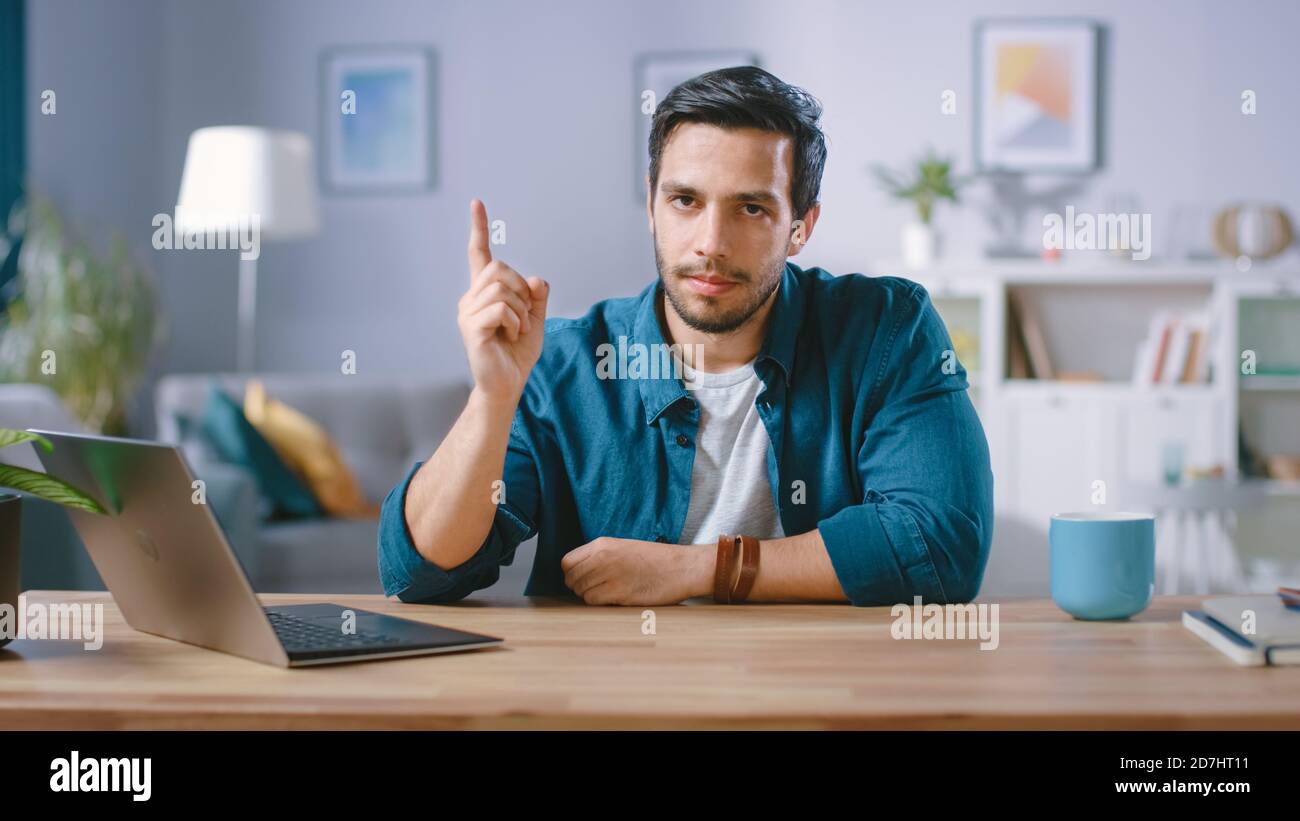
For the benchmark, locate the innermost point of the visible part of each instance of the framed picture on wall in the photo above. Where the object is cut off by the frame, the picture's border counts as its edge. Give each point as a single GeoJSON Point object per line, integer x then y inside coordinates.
{"type": "Point", "coordinates": [655, 74]}
{"type": "Point", "coordinates": [377, 123]}
{"type": "Point", "coordinates": [1037, 90]}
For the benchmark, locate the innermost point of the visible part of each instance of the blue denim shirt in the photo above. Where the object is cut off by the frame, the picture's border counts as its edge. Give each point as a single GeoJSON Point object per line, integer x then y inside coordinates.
{"type": "Point", "coordinates": [874, 442]}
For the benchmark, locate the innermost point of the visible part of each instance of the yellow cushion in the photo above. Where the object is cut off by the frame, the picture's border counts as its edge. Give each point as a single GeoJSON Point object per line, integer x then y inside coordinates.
{"type": "Point", "coordinates": [308, 450]}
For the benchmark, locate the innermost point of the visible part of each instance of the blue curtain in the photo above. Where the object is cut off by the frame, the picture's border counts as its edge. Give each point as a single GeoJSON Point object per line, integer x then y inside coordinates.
{"type": "Point", "coordinates": [11, 131]}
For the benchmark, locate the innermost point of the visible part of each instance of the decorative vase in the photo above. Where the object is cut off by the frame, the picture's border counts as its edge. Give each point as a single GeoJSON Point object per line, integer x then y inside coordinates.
{"type": "Point", "coordinates": [1257, 231]}
{"type": "Point", "coordinates": [10, 519]}
{"type": "Point", "coordinates": [920, 245]}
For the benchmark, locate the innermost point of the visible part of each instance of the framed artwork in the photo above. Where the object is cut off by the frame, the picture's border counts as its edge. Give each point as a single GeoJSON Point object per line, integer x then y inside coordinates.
{"type": "Point", "coordinates": [658, 73]}
{"type": "Point", "coordinates": [1037, 95]}
{"type": "Point", "coordinates": [377, 119]}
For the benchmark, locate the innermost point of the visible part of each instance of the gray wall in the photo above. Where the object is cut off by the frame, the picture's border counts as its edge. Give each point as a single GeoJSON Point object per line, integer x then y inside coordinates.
{"type": "Point", "coordinates": [534, 113]}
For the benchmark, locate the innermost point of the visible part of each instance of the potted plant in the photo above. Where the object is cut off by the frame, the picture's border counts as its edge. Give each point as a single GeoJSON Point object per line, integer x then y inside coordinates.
{"type": "Point", "coordinates": [932, 182]}
{"type": "Point", "coordinates": [40, 485]}
{"type": "Point", "coordinates": [81, 321]}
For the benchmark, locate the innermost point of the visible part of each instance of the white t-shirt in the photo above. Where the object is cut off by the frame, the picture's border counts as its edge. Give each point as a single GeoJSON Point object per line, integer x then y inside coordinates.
{"type": "Point", "coordinates": [730, 491]}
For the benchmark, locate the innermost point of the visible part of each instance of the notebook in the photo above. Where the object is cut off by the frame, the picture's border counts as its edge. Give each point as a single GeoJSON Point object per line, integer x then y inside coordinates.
{"type": "Point", "coordinates": [1276, 628]}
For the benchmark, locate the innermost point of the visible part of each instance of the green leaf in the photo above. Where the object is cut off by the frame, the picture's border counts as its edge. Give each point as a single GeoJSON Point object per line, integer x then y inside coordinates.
{"type": "Point", "coordinates": [47, 487]}
{"type": "Point", "coordinates": [13, 437]}
{"type": "Point", "coordinates": [931, 182]}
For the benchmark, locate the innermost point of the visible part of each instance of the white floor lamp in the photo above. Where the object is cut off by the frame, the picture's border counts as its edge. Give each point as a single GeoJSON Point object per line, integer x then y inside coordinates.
{"type": "Point", "coordinates": [233, 173]}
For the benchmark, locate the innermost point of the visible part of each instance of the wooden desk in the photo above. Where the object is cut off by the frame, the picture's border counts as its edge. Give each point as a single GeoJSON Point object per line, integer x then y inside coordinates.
{"type": "Point", "coordinates": [708, 666]}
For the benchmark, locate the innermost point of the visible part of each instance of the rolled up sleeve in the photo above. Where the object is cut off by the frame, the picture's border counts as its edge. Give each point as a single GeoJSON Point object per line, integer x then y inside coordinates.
{"type": "Point", "coordinates": [410, 577]}
{"type": "Point", "coordinates": [925, 524]}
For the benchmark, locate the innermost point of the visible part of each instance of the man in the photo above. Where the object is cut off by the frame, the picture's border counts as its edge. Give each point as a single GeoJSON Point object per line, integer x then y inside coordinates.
{"type": "Point", "coordinates": [827, 418]}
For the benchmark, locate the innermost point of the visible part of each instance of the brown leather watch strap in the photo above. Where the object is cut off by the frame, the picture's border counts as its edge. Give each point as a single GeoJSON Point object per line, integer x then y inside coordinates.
{"type": "Point", "coordinates": [748, 569]}
{"type": "Point", "coordinates": [727, 549]}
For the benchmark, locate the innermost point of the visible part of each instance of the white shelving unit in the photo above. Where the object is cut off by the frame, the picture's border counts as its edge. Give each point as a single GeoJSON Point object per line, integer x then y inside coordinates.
{"type": "Point", "coordinates": [1052, 440]}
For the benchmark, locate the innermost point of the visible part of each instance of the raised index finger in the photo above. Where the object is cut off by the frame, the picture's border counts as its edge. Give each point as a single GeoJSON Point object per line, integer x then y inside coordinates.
{"type": "Point", "coordinates": [479, 252]}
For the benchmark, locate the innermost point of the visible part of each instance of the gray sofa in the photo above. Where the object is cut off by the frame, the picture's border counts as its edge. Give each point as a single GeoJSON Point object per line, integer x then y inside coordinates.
{"type": "Point", "coordinates": [382, 426]}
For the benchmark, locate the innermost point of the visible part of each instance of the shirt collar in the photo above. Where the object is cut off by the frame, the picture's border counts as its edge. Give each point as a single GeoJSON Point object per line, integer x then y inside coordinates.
{"type": "Point", "coordinates": [787, 319]}
{"type": "Point", "coordinates": [657, 395]}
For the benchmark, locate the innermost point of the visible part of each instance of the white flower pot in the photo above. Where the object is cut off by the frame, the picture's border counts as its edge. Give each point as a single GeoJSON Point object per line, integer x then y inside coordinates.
{"type": "Point", "coordinates": [920, 245]}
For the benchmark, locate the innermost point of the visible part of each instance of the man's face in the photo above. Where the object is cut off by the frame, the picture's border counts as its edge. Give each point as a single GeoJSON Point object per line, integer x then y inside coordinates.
{"type": "Point", "coordinates": [721, 218]}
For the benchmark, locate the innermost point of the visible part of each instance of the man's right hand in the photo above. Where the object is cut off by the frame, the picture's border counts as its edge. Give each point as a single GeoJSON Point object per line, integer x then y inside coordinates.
{"type": "Point", "coordinates": [501, 318]}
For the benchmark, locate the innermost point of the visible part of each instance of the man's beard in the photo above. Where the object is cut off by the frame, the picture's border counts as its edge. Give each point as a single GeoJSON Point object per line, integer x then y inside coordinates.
{"type": "Point", "coordinates": [717, 321]}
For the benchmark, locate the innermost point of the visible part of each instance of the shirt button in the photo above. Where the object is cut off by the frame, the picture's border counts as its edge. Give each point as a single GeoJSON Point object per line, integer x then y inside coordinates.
{"type": "Point", "coordinates": [682, 440]}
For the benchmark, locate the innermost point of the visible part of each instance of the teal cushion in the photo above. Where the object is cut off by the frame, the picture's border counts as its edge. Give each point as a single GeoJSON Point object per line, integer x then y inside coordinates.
{"type": "Point", "coordinates": [237, 441]}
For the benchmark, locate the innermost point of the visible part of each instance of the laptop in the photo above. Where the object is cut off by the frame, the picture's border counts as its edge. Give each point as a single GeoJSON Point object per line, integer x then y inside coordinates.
{"type": "Point", "coordinates": [172, 572]}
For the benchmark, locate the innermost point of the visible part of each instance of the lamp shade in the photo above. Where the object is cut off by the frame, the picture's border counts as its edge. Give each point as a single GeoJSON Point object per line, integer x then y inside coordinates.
{"type": "Point", "coordinates": [233, 171]}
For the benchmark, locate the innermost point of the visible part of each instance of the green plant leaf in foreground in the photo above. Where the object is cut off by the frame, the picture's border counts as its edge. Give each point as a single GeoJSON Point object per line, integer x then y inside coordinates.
{"type": "Point", "coordinates": [46, 487]}
{"type": "Point", "coordinates": [13, 437]}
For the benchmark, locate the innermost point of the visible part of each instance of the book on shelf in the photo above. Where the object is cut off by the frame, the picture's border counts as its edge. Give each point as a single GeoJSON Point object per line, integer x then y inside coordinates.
{"type": "Point", "coordinates": [1026, 342]}
{"type": "Point", "coordinates": [1196, 357]}
{"type": "Point", "coordinates": [1017, 358]}
{"type": "Point", "coordinates": [1171, 369]}
{"type": "Point", "coordinates": [1176, 350]}
{"type": "Point", "coordinates": [1036, 342]}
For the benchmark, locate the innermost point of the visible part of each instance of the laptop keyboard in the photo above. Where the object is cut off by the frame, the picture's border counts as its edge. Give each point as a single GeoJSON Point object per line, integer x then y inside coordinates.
{"type": "Point", "coordinates": [299, 635]}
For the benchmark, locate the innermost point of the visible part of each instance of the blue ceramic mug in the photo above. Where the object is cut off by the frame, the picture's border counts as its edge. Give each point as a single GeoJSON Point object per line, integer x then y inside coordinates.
{"type": "Point", "coordinates": [1103, 565]}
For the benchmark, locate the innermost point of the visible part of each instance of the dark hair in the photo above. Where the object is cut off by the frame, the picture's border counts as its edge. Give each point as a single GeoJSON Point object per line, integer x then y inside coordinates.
{"type": "Point", "coordinates": [748, 97]}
